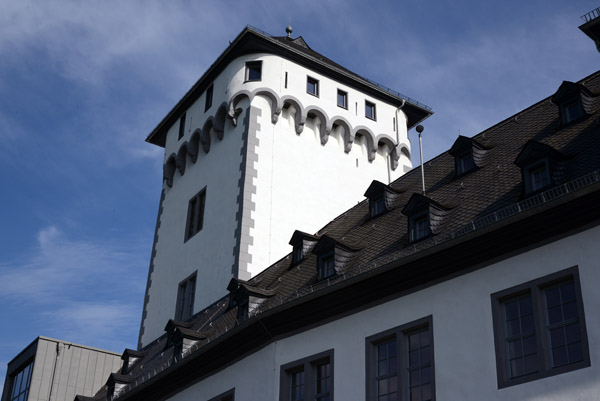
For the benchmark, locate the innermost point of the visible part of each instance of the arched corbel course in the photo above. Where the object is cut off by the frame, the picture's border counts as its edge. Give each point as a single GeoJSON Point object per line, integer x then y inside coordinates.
{"type": "Point", "coordinates": [205, 136]}
{"type": "Point", "coordinates": [393, 151]}
{"type": "Point", "coordinates": [220, 117]}
{"type": "Point", "coordinates": [193, 145]}
{"type": "Point", "coordinates": [371, 149]}
{"type": "Point", "coordinates": [348, 135]}
{"type": "Point", "coordinates": [234, 112]}
{"type": "Point", "coordinates": [181, 158]}
{"type": "Point", "coordinates": [276, 104]}
{"type": "Point", "coordinates": [300, 117]}
{"type": "Point", "coordinates": [169, 169]}
{"type": "Point", "coordinates": [324, 129]}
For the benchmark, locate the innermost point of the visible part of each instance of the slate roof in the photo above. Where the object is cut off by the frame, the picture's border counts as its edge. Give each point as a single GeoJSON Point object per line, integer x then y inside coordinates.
{"type": "Point", "coordinates": [471, 205]}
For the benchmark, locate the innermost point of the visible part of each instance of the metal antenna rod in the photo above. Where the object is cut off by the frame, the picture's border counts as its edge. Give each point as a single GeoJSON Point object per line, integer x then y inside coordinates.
{"type": "Point", "coordinates": [420, 130]}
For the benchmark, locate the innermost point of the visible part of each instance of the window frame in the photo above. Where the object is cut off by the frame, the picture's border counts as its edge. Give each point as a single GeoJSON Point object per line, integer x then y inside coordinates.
{"type": "Point", "coordinates": [371, 106]}
{"type": "Point", "coordinates": [184, 308]}
{"type": "Point", "coordinates": [182, 125]}
{"type": "Point", "coordinates": [535, 288]}
{"type": "Point", "coordinates": [309, 366]}
{"type": "Point", "coordinates": [344, 95]}
{"type": "Point", "coordinates": [528, 175]}
{"type": "Point", "coordinates": [566, 111]}
{"type": "Point", "coordinates": [321, 260]}
{"type": "Point", "coordinates": [195, 214]}
{"type": "Point", "coordinates": [377, 206]}
{"type": "Point", "coordinates": [460, 159]}
{"type": "Point", "coordinates": [315, 83]}
{"type": "Point", "coordinates": [413, 220]}
{"type": "Point", "coordinates": [252, 66]}
{"type": "Point", "coordinates": [229, 395]}
{"type": "Point", "coordinates": [11, 395]}
{"type": "Point", "coordinates": [401, 335]}
{"type": "Point", "coordinates": [208, 101]}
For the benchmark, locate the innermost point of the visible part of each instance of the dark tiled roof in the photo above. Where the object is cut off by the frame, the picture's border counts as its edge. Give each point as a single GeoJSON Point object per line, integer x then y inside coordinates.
{"type": "Point", "coordinates": [494, 189]}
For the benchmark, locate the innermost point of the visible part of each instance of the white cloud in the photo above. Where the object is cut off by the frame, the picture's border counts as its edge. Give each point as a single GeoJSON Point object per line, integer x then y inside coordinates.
{"type": "Point", "coordinates": [59, 269]}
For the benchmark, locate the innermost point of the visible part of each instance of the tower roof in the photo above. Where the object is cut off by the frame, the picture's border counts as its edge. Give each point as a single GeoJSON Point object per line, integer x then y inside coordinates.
{"type": "Point", "coordinates": [252, 40]}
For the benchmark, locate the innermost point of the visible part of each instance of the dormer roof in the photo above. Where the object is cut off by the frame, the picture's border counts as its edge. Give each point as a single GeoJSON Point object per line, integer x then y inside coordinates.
{"type": "Point", "coordinates": [534, 150]}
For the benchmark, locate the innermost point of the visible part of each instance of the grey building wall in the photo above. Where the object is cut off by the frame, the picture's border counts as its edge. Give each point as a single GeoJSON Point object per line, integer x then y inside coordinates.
{"type": "Point", "coordinates": [62, 370]}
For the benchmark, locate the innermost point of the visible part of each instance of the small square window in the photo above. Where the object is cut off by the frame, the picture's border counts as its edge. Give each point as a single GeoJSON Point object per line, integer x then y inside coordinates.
{"type": "Point", "coordinates": [253, 71]}
{"type": "Point", "coordinates": [342, 99]}
{"type": "Point", "coordinates": [308, 379]}
{"type": "Point", "coordinates": [185, 298]}
{"type": "Point", "coordinates": [195, 217]}
{"type": "Point", "coordinates": [181, 126]}
{"type": "Point", "coordinates": [209, 98]}
{"type": "Point", "coordinates": [326, 266]}
{"type": "Point", "coordinates": [312, 86]}
{"type": "Point", "coordinates": [539, 329]}
{"type": "Point", "coordinates": [370, 110]}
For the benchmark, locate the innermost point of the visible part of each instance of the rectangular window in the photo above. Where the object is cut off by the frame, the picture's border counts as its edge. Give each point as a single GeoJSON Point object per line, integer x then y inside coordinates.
{"type": "Point", "coordinates": [185, 298]}
{"type": "Point", "coordinates": [20, 383]}
{"type": "Point", "coordinates": [342, 99]}
{"type": "Point", "coordinates": [539, 329]}
{"type": "Point", "coordinates": [286, 80]}
{"type": "Point", "coordinates": [464, 163]}
{"type": "Point", "coordinates": [326, 266]}
{"type": "Point", "coordinates": [195, 216]}
{"type": "Point", "coordinates": [181, 126]}
{"type": "Point", "coordinates": [377, 206]}
{"type": "Point", "coordinates": [209, 98]}
{"type": "Point", "coordinates": [537, 177]}
{"type": "Point", "coordinates": [400, 363]}
{"type": "Point", "coordinates": [419, 227]}
{"type": "Point", "coordinates": [370, 110]}
{"type": "Point", "coordinates": [308, 379]}
{"type": "Point", "coordinates": [226, 396]}
{"type": "Point", "coordinates": [312, 86]}
{"type": "Point", "coordinates": [572, 111]}
{"type": "Point", "coordinates": [253, 71]}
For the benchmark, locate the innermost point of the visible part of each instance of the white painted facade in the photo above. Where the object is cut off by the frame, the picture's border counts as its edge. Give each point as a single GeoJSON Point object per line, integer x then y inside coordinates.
{"type": "Point", "coordinates": [464, 355]}
{"type": "Point", "coordinates": [281, 160]}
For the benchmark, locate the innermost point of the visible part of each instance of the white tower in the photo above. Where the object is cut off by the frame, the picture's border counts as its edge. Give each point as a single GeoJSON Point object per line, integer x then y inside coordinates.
{"type": "Point", "coordinates": [274, 137]}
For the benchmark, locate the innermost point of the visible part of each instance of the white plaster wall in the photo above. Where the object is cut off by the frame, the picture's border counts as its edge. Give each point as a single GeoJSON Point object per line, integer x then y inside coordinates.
{"type": "Point", "coordinates": [465, 367]}
{"type": "Point", "coordinates": [210, 251]}
{"type": "Point", "coordinates": [300, 183]}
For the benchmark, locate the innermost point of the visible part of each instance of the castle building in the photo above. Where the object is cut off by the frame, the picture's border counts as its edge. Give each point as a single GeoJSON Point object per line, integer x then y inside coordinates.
{"type": "Point", "coordinates": [480, 284]}
{"type": "Point", "coordinates": [483, 286]}
{"type": "Point", "coordinates": [273, 137]}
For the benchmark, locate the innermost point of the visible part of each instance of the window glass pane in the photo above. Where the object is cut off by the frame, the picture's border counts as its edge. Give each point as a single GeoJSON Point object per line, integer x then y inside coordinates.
{"type": "Point", "coordinates": [567, 292]}
{"type": "Point", "coordinates": [559, 356]}
{"type": "Point", "coordinates": [575, 352]}
{"type": "Point", "coordinates": [573, 332]}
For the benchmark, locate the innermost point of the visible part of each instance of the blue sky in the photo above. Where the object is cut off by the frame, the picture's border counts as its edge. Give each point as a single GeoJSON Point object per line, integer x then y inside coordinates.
{"type": "Point", "coordinates": [83, 83]}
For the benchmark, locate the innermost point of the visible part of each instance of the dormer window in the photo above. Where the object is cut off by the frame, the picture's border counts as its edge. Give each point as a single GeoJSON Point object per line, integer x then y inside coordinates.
{"type": "Point", "coordinates": [425, 217]}
{"type": "Point", "coordinates": [541, 166]}
{"type": "Point", "coordinates": [381, 197]}
{"type": "Point", "coordinates": [569, 99]}
{"type": "Point", "coordinates": [332, 257]}
{"type": "Point", "coordinates": [537, 177]}
{"type": "Point", "coordinates": [326, 266]}
{"type": "Point", "coordinates": [464, 163]}
{"type": "Point", "coordinates": [377, 206]}
{"type": "Point", "coordinates": [571, 111]}
{"type": "Point", "coordinates": [297, 255]}
{"type": "Point", "coordinates": [419, 227]}
{"type": "Point", "coordinates": [302, 243]}
{"type": "Point", "coordinates": [468, 155]}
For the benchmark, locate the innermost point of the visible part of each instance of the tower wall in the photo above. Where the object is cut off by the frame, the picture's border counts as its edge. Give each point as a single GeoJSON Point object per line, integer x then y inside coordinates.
{"type": "Point", "coordinates": [273, 158]}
